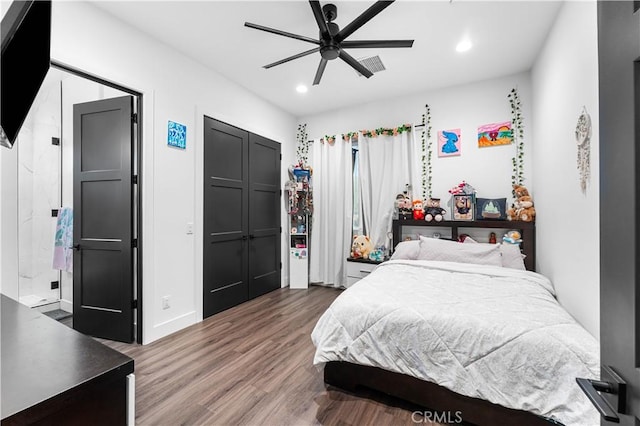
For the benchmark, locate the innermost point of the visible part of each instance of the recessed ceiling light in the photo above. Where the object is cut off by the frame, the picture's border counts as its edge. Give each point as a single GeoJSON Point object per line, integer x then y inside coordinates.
{"type": "Point", "coordinates": [301, 88]}
{"type": "Point", "coordinates": [464, 45]}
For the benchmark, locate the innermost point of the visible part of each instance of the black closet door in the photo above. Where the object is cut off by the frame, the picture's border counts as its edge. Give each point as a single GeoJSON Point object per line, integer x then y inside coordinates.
{"type": "Point", "coordinates": [264, 216]}
{"type": "Point", "coordinates": [226, 220]}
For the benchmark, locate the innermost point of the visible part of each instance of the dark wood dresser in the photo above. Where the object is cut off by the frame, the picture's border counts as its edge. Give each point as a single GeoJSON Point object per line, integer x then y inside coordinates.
{"type": "Point", "coordinates": [51, 374]}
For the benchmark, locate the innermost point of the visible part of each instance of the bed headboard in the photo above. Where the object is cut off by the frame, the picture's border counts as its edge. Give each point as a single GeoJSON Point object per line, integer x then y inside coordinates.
{"type": "Point", "coordinates": [453, 228]}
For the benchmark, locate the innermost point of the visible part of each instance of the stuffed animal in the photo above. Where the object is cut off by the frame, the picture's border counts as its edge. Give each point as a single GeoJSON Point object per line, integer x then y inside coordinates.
{"type": "Point", "coordinates": [433, 210]}
{"type": "Point", "coordinates": [361, 247]}
{"type": "Point", "coordinates": [418, 212]}
{"type": "Point", "coordinates": [403, 203]}
{"type": "Point", "coordinates": [522, 208]}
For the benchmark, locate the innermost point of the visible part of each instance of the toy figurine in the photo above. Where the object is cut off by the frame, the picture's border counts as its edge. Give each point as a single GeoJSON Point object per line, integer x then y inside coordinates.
{"type": "Point", "coordinates": [433, 210]}
{"type": "Point", "coordinates": [492, 238]}
{"type": "Point", "coordinates": [418, 213]}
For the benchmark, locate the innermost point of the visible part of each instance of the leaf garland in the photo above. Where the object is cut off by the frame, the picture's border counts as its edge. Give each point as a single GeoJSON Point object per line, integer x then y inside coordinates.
{"type": "Point", "coordinates": [517, 162]}
{"type": "Point", "coordinates": [350, 135]}
{"type": "Point", "coordinates": [329, 139]}
{"type": "Point", "coordinates": [302, 145]}
{"type": "Point", "coordinates": [427, 153]}
{"type": "Point", "coordinates": [387, 132]}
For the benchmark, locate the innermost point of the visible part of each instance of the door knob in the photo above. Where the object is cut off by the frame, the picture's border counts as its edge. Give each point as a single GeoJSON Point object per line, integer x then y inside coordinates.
{"type": "Point", "coordinates": [251, 236]}
{"type": "Point", "coordinates": [616, 386]}
{"type": "Point", "coordinates": [76, 247]}
{"type": "Point", "coordinates": [244, 238]}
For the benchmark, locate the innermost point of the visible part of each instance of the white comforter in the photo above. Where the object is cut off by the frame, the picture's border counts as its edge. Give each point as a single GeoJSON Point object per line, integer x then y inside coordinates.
{"type": "Point", "coordinates": [486, 332]}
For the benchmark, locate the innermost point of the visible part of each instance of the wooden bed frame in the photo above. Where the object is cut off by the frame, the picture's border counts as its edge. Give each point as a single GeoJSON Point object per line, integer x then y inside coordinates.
{"type": "Point", "coordinates": [431, 396]}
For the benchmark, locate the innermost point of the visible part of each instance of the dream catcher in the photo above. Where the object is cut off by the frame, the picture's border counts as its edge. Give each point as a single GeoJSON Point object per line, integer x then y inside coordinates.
{"type": "Point", "coordinates": [583, 140]}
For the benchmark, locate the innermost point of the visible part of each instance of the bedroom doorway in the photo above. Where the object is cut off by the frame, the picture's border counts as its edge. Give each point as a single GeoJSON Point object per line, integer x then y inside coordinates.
{"type": "Point", "coordinates": [47, 199]}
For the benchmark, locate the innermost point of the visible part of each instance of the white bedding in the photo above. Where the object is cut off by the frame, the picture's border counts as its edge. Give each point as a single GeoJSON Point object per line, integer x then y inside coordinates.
{"type": "Point", "coordinates": [486, 332]}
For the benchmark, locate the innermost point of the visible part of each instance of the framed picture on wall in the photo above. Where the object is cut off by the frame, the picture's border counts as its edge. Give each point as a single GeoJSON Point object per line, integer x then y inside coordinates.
{"type": "Point", "coordinates": [463, 206]}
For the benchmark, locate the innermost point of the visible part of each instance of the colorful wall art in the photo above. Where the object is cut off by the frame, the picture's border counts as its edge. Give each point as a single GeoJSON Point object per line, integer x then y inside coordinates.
{"type": "Point", "coordinates": [495, 134]}
{"type": "Point", "coordinates": [449, 144]}
{"type": "Point", "coordinates": [177, 135]}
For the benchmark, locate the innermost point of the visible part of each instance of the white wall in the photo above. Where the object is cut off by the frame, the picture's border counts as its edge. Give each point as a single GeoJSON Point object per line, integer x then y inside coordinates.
{"type": "Point", "coordinates": [564, 79]}
{"type": "Point", "coordinates": [465, 107]}
{"type": "Point", "coordinates": [176, 88]}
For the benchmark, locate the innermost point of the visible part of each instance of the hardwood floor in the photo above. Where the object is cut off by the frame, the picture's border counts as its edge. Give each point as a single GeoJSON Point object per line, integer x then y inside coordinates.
{"type": "Point", "coordinates": [251, 365]}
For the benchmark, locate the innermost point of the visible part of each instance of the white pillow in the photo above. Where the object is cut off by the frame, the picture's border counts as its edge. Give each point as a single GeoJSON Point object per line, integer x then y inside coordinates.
{"type": "Point", "coordinates": [406, 250]}
{"type": "Point", "coordinates": [453, 251]}
{"type": "Point", "coordinates": [511, 255]}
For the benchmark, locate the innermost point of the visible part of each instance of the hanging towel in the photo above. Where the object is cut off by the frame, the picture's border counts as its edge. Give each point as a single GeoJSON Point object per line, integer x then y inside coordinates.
{"type": "Point", "coordinates": [63, 245]}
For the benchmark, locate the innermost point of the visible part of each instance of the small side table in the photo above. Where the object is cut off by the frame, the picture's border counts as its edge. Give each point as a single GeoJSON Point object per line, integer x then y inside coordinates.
{"type": "Point", "coordinates": [357, 269]}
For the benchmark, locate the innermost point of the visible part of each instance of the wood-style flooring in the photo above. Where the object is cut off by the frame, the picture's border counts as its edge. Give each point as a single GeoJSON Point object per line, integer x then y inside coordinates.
{"type": "Point", "coordinates": [251, 365]}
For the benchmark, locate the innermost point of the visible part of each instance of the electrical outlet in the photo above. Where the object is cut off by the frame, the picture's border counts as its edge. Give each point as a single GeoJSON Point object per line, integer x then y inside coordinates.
{"type": "Point", "coordinates": [165, 302]}
{"type": "Point", "coordinates": [189, 228]}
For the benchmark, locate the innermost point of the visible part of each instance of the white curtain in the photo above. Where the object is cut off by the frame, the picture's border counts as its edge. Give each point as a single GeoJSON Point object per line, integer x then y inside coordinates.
{"type": "Point", "coordinates": [332, 201]}
{"type": "Point", "coordinates": [385, 167]}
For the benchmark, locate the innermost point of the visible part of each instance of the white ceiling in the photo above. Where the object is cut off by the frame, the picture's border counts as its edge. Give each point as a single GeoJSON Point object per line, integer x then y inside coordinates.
{"type": "Point", "coordinates": [507, 36]}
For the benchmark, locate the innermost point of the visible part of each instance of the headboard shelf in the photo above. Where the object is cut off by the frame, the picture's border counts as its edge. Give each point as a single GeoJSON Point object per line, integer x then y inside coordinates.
{"type": "Point", "coordinates": [527, 229]}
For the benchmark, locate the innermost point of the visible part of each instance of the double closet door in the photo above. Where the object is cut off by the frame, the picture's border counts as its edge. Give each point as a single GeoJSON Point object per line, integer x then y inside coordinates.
{"type": "Point", "coordinates": [242, 241]}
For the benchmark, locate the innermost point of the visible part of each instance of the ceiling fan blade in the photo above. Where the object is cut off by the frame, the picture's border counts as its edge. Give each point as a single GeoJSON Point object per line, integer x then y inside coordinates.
{"type": "Point", "coordinates": [282, 33]}
{"type": "Point", "coordinates": [367, 15]}
{"type": "Point", "coordinates": [291, 58]}
{"type": "Point", "coordinates": [355, 64]}
{"type": "Point", "coordinates": [321, 67]}
{"type": "Point", "coordinates": [322, 24]}
{"type": "Point", "coordinates": [364, 44]}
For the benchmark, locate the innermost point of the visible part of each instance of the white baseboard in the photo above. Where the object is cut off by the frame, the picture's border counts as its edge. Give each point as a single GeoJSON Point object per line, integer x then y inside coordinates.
{"type": "Point", "coordinates": [66, 305]}
{"type": "Point", "coordinates": [168, 327]}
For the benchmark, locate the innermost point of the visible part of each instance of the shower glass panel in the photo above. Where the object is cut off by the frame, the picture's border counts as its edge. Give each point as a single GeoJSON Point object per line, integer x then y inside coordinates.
{"type": "Point", "coordinates": [39, 181]}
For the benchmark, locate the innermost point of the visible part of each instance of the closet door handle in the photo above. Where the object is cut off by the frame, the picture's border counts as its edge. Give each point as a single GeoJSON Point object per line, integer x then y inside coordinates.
{"type": "Point", "coordinates": [244, 238]}
{"type": "Point", "coordinates": [251, 236]}
{"type": "Point", "coordinates": [76, 247]}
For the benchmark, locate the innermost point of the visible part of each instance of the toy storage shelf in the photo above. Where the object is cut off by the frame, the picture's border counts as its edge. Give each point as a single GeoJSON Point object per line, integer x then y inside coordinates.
{"type": "Point", "coordinates": [298, 252]}
{"type": "Point", "coordinates": [453, 228]}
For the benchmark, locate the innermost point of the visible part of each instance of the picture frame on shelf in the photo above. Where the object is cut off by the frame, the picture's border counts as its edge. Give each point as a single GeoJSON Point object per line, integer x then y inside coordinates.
{"type": "Point", "coordinates": [491, 208]}
{"type": "Point", "coordinates": [463, 207]}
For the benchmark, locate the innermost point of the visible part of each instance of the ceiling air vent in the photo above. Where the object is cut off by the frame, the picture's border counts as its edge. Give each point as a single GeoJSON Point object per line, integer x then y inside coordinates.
{"type": "Point", "coordinates": [373, 64]}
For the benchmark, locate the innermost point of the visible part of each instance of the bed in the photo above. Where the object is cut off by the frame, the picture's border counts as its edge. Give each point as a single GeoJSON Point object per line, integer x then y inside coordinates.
{"type": "Point", "coordinates": [462, 335]}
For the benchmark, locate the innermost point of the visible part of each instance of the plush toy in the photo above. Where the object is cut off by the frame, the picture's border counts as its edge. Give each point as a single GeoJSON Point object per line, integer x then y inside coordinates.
{"type": "Point", "coordinates": [361, 247]}
{"type": "Point", "coordinates": [433, 210]}
{"type": "Point", "coordinates": [403, 203]}
{"type": "Point", "coordinates": [512, 237]}
{"type": "Point", "coordinates": [418, 213]}
{"type": "Point", "coordinates": [522, 208]}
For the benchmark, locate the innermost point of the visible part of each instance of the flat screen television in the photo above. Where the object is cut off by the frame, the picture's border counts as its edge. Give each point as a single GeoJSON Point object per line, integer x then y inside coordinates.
{"type": "Point", "coordinates": [26, 45]}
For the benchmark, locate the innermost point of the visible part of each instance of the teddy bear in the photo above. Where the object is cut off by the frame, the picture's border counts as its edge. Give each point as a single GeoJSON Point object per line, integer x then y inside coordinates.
{"type": "Point", "coordinates": [418, 212]}
{"type": "Point", "coordinates": [433, 210]}
{"type": "Point", "coordinates": [522, 208]}
{"type": "Point", "coordinates": [361, 247]}
{"type": "Point", "coordinates": [403, 207]}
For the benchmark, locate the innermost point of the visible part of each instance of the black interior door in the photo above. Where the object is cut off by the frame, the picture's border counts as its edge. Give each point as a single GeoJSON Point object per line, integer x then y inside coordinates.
{"type": "Point", "coordinates": [619, 74]}
{"type": "Point", "coordinates": [103, 218]}
{"type": "Point", "coordinates": [226, 220]}
{"type": "Point", "coordinates": [264, 216]}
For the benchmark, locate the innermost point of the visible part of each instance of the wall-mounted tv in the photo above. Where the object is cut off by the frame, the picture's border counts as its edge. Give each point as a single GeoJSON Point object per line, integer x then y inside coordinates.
{"type": "Point", "coordinates": [26, 40]}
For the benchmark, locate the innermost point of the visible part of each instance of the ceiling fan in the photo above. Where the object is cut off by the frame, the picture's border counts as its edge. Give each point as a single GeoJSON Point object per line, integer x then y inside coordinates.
{"type": "Point", "coordinates": [331, 43]}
